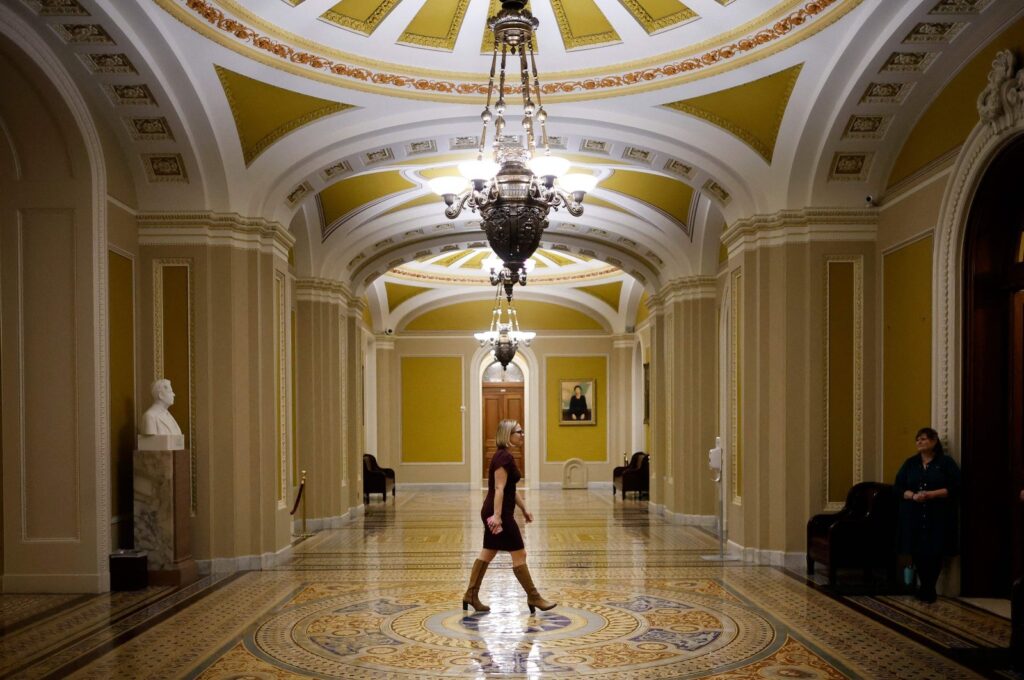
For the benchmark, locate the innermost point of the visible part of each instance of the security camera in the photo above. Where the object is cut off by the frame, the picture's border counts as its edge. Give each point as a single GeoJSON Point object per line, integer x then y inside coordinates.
{"type": "Point", "coordinates": [869, 201]}
{"type": "Point", "coordinates": [389, 331]}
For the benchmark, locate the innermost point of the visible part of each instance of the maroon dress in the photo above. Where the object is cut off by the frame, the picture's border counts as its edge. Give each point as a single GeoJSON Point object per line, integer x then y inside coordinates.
{"type": "Point", "coordinates": [509, 539]}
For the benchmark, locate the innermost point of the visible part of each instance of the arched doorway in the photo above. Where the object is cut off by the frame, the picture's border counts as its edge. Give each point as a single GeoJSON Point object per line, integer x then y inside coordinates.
{"type": "Point", "coordinates": [503, 396]}
{"type": "Point", "coordinates": [992, 444]}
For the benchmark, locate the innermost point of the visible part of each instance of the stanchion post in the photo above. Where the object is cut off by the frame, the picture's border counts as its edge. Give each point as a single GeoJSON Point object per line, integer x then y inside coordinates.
{"type": "Point", "coordinates": [302, 484]}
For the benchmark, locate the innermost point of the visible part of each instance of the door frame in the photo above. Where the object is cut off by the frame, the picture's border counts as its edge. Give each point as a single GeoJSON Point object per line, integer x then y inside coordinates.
{"type": "Point", "coordinates": [527, 361]}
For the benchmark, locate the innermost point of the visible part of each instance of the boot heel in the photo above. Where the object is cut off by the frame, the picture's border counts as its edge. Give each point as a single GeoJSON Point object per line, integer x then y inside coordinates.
{"type": "Point", "coordinates": [533, 609]}
{"type": "Point", "coordinates": [465, 606]}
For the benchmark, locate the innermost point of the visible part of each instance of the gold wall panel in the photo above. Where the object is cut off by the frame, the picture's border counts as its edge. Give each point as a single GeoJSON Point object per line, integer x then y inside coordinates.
{"type": "Point", "coordinates": [906, 350]}
{"type": "Point", "coordinates": [436, 25]}
{"type": "Point", "coordinates": [121, 333]}
{"type": "Point", "coordinates": [840, 380]}
{"type": "Point", "coordinates": [563, 442]}
{"type": "Point", "coordinates": [431, 415]}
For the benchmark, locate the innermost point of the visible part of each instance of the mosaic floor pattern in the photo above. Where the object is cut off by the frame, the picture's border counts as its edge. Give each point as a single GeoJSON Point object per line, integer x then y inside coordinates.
{"type": "Point", "coordinates": [381, 598]}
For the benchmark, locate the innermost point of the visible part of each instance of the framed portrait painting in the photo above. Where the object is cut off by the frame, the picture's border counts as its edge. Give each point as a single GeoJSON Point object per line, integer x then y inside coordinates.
{"type": "Point", "coordinates": [578, 401]}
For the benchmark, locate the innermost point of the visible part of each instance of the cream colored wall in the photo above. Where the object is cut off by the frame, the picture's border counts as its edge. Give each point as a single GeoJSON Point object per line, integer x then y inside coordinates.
{"type": "Point", "coordinates": [782, 375]}
{"type": "Point", "coordinates": [237, 514]}
{"type": "Point", "coordinates": [51, 250]}
{"type": "Point", "coordinates": [390, 350]}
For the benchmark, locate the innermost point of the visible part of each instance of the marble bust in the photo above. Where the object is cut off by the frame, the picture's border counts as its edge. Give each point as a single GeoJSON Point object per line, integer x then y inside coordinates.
{"type": "Point", "coordinates": [158, 429]}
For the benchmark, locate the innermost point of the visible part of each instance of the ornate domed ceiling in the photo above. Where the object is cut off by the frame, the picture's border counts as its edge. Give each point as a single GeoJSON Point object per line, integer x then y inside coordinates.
{"type": "Point", "coordinates": [441, 48]}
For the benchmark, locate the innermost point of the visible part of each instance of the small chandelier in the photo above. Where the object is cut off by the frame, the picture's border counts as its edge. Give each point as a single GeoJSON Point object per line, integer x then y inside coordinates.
{"type": "Point", "coordinates": [516, 188]}
{"type": "Point", "coordinates": [504, 336]}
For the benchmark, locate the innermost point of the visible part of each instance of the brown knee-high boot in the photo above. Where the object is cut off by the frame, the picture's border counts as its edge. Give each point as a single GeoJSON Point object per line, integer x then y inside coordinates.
{"type": "Point", "coordinates": [472, 592]}
{"type": "Point", "coordinates": [533, 598]}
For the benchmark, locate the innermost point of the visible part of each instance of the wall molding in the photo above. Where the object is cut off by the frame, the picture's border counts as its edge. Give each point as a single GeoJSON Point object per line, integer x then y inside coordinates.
{"type": "Point", "coordinates": [323, 290]}
{"type": "Point", "coordinates": [1001, 119]}
{"type": "Point", "coordinates": [211, 229]}
{"type": "Point", "coordinates": [858, 377]}
{"type": "Point", "coordinates": [807, 225]}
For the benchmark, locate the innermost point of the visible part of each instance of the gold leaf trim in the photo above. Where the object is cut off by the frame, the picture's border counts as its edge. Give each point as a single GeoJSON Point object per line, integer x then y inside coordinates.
{"type": "Point", "coordinates": [236, 35]}
{"type": "Point", "coordinates": [446, 43]}
{"type": "Point", "coordinates": [574, 42]}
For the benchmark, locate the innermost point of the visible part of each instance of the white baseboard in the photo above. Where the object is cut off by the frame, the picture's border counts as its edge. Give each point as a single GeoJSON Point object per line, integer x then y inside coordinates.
{"type": "Point", "coordinates": [709, 521]}
{"type": "Point", "coordinates": [794, 561]}
{"type": "Point", "coordinates": [229, 565]}
{"type": "Point", "coordinates": [599, 485]}
{"type": "Point", "coordinates": [56, 583]}
{"type": "Point", "coordinates": [438, 486]}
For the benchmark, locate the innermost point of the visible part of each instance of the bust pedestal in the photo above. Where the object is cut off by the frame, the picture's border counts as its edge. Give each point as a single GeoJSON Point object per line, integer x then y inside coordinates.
{"type": "Point", "coordinates": [162, 521]}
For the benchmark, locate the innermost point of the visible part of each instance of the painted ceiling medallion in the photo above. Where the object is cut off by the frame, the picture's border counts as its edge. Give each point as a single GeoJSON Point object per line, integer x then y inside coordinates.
{"type": "Point", "coordinates": [788, 23]}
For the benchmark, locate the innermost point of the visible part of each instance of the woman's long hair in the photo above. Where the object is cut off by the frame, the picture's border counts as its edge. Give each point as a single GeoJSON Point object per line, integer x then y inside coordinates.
{"type": "Point", "coordinates": [934, 436]}
{"type": "Point", "coordinates": [505, 428]}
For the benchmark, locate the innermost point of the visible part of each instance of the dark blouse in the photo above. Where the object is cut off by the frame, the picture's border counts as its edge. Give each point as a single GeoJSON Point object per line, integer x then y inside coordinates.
{"type": "Point", "coordinates": [929, 527]}
{"type": "Point", "coordinates": [578, 407]}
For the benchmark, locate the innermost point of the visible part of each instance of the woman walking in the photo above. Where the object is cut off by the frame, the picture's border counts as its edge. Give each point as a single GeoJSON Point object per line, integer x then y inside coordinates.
{"type": "Point", "coordinates": [500, 529]}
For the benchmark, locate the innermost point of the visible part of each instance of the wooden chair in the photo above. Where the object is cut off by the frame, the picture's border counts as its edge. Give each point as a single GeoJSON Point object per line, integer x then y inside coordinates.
{"type": "Point", "coordinates": [376, 479]}
{"type": "Point", "coordinates": [636, 476]}
{"type": "Point", "coordinates": [862, 534]}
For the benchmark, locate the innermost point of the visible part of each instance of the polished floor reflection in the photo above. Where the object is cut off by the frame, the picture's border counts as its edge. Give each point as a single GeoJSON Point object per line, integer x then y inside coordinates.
{"type": "Point", "coordinates": [381, 598]}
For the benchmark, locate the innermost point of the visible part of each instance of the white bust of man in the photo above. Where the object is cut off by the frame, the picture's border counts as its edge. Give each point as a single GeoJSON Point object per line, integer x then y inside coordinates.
{"type": "Point", "coordinates": [157, 419]}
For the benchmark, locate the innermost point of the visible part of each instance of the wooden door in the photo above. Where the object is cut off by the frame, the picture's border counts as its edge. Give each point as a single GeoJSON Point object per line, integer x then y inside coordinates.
{"type": "Point", "coordinates": [501, 401]}
{"type": "Point", "coordinates": [1017, 421]}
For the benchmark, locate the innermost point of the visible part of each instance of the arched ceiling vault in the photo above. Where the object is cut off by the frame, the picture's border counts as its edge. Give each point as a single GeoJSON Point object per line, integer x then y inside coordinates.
{"type": "Point", "coordinates": [695, 113]}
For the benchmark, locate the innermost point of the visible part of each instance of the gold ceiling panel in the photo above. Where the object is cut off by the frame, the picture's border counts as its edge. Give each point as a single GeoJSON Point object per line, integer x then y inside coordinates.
{"type": "Point", "coordinates": [361, 16]}
{"type": "Point", "coordinates": [426, 199]}
{"type": "Point", "coordinates": [560, 260]}
{"type": "Point", "coordinates": [609, 293]}
{"type": "Point", "coordinates": [466, 316]}
{"type": "Point", "coordinates": [669, 196]}
{"type": "Point", "coordinates": [398, 293]}
{"type": "Point", "coordinates": [658, 15]}
{"type": "Point", "coordinates": [436, 25]}
{"type": "Point", "coordinates": [753, 112]}
{"type": "Point", "coordinates": [347, 196]}
{"type": "Point", "coordinates": [583, 24]}
{"type": "Point", "coordinates": [265, 113]}
{"type": "Point", "coordinates": [476, 261]}
{"type": "Point", "coordinates": [487, 46]}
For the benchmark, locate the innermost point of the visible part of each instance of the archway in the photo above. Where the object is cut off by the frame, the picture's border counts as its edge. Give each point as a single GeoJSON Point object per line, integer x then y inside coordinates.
{"type": "Point", "coordinates": [992, 452]}
{"type": "Point", "coordinates": [503, 396]}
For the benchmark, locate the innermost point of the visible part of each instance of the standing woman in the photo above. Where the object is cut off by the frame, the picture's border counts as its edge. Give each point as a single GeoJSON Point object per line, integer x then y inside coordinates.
{"type": "Point", "coordinates": [928, 485]}
{"type": "Point", "coordinates": [500, 529]}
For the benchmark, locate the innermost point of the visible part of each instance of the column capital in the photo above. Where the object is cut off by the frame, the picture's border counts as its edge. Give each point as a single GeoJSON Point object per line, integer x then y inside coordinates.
{"type": "Point", "coordinates": [806, 225]}
{"type": "Point", "coordinates": [325, 290]}
{"type": "Point", "coordinates": [205, 228]}
{"type": "Point", "coordinates": [684, 289]}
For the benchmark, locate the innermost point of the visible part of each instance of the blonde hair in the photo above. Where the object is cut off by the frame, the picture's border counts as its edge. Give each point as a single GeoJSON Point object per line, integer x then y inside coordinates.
{"type": "Point", "coordinates": [505, 428]}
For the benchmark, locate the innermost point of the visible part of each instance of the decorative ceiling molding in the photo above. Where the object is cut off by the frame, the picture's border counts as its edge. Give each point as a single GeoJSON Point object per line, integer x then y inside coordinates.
{"type": "Point", "coordinates": [655, 17]}
{"type": "Point", "coordinates": [767, 35]}
{"type": "Point", "coordinates": [570, 15]}
{"type": "Point", "coordinates": [436, 25]}
{"type": "Point", "coordinates": [365, 24]}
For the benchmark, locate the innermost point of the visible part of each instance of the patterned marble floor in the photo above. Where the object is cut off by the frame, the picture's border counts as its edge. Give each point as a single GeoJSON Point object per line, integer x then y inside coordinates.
{"type": "Point", "coordinates": [380, 598]}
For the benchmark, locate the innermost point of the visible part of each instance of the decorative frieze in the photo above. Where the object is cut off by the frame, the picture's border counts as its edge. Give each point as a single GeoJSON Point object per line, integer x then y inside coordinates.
{"type": "Point", "coordinates": [299, 193]}
{"type": "Point", "coordinates": [149, 129]}
{"type": "Point", "coordinates": [422, 146]}
{"type": "Point", "coordinates": [679, 168]}
{"type": "Point", "coordinates": [633, 153]}
{"type": "Point", "coordinates": [960, 7]}
{"type": "Point", "coordinates": [934, 32]}
{"type": "Point", "coordinates": [595, 146]}
{"type": "Point", "coordinates": [378, 156]}
{"type": "Point", "coordinates": [107, 63]}
{"type": "Point", "coordinates": [866, 127]}
{"type": "Point", "coordinates": [716, 190]}
{"type": "Point", "coordinates": [215, 229]}
{"type": "Point", "coordinates": [886, 93]}
{"type": "Point", "coordinates": [83, 34]}
{"type": "Point", "coordinates": [130, 95]}
{"type": "Point", "coordinates": [332, 171]}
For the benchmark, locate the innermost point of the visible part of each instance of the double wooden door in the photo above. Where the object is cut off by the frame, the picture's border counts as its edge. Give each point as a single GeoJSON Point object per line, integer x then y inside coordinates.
{"type": "Point", "coordinates": [502, 401]}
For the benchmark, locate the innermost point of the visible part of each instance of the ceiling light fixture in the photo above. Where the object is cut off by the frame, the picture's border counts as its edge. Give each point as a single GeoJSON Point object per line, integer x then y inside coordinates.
{"type": "Point", "coordinates": [504, 336]}
{"type": "Point", "coordinates": [519, 185]}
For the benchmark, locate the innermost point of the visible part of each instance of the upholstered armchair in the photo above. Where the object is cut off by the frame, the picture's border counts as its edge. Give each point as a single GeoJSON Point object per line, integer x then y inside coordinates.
{"type": "Point", "coordinates": [376, 479]}
{"type": "Point", "coordinates": [636, 476]}
{"type": "Point", "coordinates": [862, 534]}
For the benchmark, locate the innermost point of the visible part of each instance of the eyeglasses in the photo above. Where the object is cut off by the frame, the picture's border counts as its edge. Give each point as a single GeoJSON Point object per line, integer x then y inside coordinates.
{"type": "Point", "coordinates": [517, 432]}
